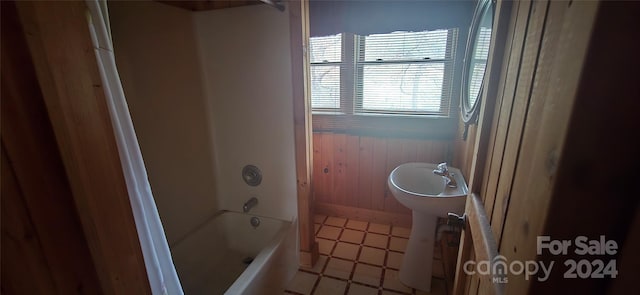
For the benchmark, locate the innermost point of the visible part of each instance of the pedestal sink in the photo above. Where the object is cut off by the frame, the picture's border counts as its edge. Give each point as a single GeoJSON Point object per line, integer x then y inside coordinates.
{"type": "Point", "coordinates": [428, 196]}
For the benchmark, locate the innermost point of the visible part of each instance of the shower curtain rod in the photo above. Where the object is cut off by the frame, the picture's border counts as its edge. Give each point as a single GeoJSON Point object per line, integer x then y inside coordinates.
{"type": "Point", "coordinates": [275, 3]}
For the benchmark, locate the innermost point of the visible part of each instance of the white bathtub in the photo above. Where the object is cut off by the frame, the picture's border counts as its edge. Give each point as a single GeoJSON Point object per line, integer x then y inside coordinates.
{"type": "Point", "coordinates": [210, 259]}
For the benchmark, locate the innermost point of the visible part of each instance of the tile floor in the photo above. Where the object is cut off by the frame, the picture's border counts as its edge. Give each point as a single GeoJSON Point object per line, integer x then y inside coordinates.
{"type": "Point", "coordinates": [358, 257]}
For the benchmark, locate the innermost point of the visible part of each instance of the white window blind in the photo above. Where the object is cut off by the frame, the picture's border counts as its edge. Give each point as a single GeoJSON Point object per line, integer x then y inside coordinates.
{"type": "Point", "coordinates": [479, 62]}
{"type": "Point", "coordinates": [405, 72]}
{"type": "Point", "coordinates": [393, 73]}
{"type": "Point", "coordinates": [326, 64]}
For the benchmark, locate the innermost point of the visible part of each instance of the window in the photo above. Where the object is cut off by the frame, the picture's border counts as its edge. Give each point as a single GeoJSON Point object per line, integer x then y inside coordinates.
{"type": "Point", "coordinates": [407, 73]}
{"type": "Point", "coordinates": [326, 61]}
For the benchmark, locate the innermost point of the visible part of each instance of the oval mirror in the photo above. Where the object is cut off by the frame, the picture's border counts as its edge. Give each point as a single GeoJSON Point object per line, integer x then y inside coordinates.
{"type": "Point", "coordinates": [475, 62]}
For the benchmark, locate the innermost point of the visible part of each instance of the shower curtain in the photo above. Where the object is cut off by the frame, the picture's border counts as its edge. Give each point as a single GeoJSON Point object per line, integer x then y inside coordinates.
{"type": "Point", "coordinates": [163, 278]}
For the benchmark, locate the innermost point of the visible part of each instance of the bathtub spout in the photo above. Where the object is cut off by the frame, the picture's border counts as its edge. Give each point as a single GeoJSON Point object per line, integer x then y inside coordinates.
{"type": "Point", "coordinates": [249, 204]}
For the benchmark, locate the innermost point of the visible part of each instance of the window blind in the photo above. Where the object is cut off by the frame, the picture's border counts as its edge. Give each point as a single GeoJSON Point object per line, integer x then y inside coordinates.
{"type": "Point", "coordinates": [479, 62]}
{"type": "Point", "coordinates": [405, 72]}
{"type": "Point", "coordinates": [326, 63]}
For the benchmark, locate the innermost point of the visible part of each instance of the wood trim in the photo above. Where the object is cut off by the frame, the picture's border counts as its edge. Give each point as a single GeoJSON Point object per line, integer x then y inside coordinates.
{"type": "Point", "coordinates": [479, 239]}
{"type": "Point", "coordinates": [309, 258]}
{"type": "Point", "coordinates": [72, 89]}
{"type": "Point", "coordinates": [299, 32]}
{"type": "Point", "coordinates": [484, 243]}
{"type": "Point", "coordinates": [411, 127]}
{"type": "Point", "coordinates": [361, 214]}
{"type": "Point", "coordinates": [202, 5]}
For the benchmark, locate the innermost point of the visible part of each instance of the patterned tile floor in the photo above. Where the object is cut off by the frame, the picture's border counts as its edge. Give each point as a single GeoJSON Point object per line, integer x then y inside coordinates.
{"type": "Point", "coordinates": [358, 257]}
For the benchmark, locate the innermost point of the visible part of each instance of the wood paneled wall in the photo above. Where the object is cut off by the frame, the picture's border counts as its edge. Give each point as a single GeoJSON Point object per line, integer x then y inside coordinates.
{"type": "Point", "coordinates": [67, 224]}
{"type": "Point", "coordinates": [44, 250]}
{"type": "Point", "coordinates": [544, 145]}
{"type": "Point", "coordinates": [352, 170]}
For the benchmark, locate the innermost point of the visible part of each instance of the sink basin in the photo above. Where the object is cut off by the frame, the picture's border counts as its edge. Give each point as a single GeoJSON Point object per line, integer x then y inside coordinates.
{"type": "Point", "coordinates": [416, 187]}
{"type": "Point", "coordinates": [428, 196]}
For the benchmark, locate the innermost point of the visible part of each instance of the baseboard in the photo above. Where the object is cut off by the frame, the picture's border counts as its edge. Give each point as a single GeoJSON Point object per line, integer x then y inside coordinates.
{"type": "Point", "coordinates": [361, 214]}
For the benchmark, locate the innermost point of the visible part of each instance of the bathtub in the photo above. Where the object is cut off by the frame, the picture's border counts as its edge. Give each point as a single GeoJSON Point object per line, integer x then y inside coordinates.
{"type": "Point", "coordinates": [227, 254]}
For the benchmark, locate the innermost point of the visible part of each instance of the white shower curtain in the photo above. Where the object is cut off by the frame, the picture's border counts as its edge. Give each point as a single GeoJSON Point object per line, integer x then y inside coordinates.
{"type": "Point", "coordinates": [155, 249]}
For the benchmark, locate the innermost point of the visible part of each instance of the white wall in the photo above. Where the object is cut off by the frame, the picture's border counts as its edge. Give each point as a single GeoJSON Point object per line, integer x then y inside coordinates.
{"type": "Point", "coordinates": [156, 54]}
{"type": "Point", "coordinates": [245, 53]}
{"type": "Point", "coordinates": [209, 93]}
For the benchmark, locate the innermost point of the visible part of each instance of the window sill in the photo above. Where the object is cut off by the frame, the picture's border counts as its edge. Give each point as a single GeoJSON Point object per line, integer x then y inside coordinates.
{"type": "Point", "coordinates": [385, 125]}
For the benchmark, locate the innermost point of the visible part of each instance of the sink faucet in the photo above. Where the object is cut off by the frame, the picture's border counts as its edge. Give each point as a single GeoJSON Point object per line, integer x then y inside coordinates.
{"type": "Point", "coordinates": [249, 204]}
{"type": "Point", "coordinates": [443, 171]}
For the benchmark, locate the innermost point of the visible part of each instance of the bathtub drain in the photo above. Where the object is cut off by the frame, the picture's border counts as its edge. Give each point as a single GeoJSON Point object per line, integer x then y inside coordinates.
{"type": "Point", "coordinates": [247, 260]}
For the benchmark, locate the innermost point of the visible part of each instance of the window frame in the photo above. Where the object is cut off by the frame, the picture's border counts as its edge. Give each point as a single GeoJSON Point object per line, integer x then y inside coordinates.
{"type": "Point", "coordinates": [447, 90]}
{"type": "Point", "coordinates": [348, 119]}
{"type": "Point", "coordinates": [341, 67]}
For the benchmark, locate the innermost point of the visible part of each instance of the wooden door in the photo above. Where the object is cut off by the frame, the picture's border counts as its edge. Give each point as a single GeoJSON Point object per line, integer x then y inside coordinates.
{"type": "Point", "coordinates": [526, 139]}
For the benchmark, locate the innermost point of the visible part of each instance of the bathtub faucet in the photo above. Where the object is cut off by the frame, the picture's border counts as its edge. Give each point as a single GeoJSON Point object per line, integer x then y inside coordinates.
{"type": "Point", "coordinates": [443, 171]}
{"type": "Point", "coordinates": [249, 204]}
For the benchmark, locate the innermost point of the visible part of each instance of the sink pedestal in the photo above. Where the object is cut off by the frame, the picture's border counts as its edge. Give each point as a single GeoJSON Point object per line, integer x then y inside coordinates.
{"type": "Point", "coordinates": [417, 262]}
{"type": "Point", "coordinates": [417, 187]}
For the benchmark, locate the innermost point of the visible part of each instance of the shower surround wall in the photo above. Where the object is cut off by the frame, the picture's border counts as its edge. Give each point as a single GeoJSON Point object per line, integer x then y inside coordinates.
{"type": "Point", "coordinates": [209, 93]}
{"type": "Point", "coordinates": [155, 48]}
{"type": "Point", "coordinates": [246, 58]}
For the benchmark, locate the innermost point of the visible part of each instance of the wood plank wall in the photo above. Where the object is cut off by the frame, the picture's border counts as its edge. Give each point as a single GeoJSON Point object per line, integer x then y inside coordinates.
{"type": "Point", "coordinates": [58, 139]}
{"type": "Point", "coordinates": [352, 170]}
{"type": "Point", "coordinates": [547, 134]}
{"type": "Point", "coordinates": [44, 250]}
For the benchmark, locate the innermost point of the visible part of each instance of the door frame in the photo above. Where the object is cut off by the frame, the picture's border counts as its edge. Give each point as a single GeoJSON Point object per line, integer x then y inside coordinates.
{"type": "Point", "coordinates": [299, 34]}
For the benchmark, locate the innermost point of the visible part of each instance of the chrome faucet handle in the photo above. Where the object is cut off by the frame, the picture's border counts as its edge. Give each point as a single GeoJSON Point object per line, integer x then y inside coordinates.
{"type": "Point", "coordinates": [442, 167]}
